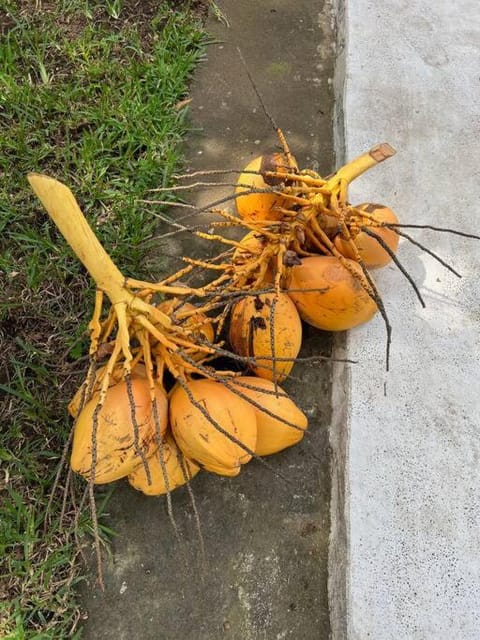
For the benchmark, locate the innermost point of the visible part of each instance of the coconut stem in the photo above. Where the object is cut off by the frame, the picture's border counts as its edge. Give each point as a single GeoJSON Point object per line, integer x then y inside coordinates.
{"type": "Point", "coordinates": [62, 207]}
{"type": "Point", "coordinates": [367, 160]}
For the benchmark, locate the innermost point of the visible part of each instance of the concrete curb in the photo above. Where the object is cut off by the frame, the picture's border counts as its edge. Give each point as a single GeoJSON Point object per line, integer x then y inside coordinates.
{"type": "Point", "coordinates": [338, 560]}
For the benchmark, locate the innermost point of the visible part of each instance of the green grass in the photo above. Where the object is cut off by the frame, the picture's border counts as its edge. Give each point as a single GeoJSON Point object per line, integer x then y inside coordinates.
{"type": "Point", "coordinates": [88, 92]}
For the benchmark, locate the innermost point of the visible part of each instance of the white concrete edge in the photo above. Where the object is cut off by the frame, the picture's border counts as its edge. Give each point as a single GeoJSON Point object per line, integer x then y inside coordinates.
{"type": "Point", "coordinates": [339, 10]}
{"type": "Point", "coordinates": [338, 559]}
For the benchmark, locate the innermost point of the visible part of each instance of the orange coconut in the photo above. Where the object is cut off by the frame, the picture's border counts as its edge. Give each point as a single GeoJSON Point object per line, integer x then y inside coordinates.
{"type": "Point", "coordinates": [168, 467]}
{"type": "Point", "coordinates": [202, 428]}
{"type": "Point", "coordinates": [119, 436]}
{"type": "Point", "coordinates": [370, 250]}
{"type": "Point", "coordinates": [197, 322]}
{"type": "Point", "coordinates": [273, 433]}
{"type": "Point", "coordinates": [250, 333]}
{"type": "Point", "coordinates": [116, 376]}
{"type": "Point", "coordinates": [252, 247]}
{"type": "Point", "coordinates": [261, 206]}
{"type": "Point", "coordinates": [336, 300]}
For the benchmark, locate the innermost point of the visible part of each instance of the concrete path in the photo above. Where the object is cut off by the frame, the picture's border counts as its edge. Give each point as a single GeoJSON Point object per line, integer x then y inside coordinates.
{"type": "Point", "coordinates": [412, 78]}
{"type": "Point", "coordinates": [265, 573]}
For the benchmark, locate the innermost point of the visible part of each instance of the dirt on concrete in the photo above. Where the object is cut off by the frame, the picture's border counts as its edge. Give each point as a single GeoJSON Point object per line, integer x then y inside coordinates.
{"type": "Point", "coordinates": [264, 574]}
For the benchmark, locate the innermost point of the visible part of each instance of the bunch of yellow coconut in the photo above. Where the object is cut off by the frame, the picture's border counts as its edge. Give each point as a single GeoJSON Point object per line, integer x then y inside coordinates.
{"type": "Point", "coordinates": [156, 412]}
{"type": "Point", "coordinates": [204, 424]}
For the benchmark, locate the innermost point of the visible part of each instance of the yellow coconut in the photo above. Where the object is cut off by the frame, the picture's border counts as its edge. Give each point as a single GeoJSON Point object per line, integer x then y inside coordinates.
{"type": "Point", "coordinates": [328, 296]}
{"type": "Point", "coordinates": [202, 428]}
{"type": "Point", "coordinates": [250, 333]}
{"type": "Point", "coordinates": [273, 433]}
{"type": "Point", "coordinates": [168, 468]}
{"type": "Point", "coordinates": [120, 437]}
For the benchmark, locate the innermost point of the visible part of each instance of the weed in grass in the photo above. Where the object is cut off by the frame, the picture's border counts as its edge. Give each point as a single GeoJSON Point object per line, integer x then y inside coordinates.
{"type": "Point", "coordinates": [87, 94]}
